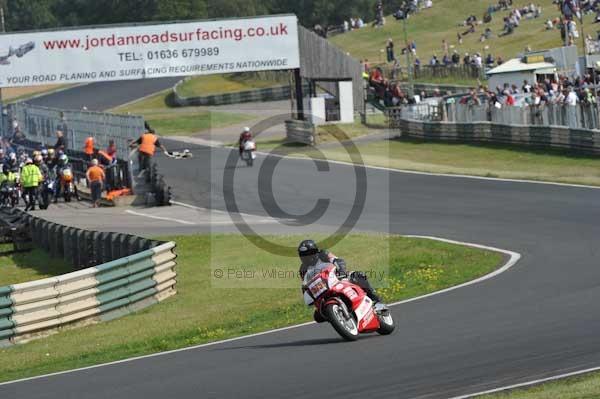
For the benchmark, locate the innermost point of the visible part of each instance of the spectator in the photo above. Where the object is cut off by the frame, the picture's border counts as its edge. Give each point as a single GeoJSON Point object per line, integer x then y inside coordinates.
{"type": "Point", "coordinates": [477, 60]}
{"type": "Point", "coordinates": [572, 98]}
{"type": "Point", "coordinates": [455, 58]}
{"type": "Point", "coordinates": [379, 19]}
{"type": "Point", "coordinates": [467, 59]}
{"type": "Point", "coordinates": [95, 176]}
{"type": "Point", "coordinates": [526, 87]}
{"type": "Point", "coordinates": [510, 100]}
{"type": "Point", "coordinates": [17, 135]}
{"type": "Point", "coordinates": [489, 60]}
{"type": "Point", "coordinates": [61, 141]}
{"type": "Point", "coordinates": [389, 50]}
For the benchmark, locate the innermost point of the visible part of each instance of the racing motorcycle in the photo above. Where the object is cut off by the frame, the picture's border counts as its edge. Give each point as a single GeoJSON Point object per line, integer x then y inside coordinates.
{"type": "Point", "coordinates": [248, 154]}
{"type": "Point", "coordinates": [9, 194]}
{"type": "Point", "coordinates": [47, 193]}
{"type": "Point", "coordinates": [67, 185]}
{"type": "Point", "coordinates": [343, 304]}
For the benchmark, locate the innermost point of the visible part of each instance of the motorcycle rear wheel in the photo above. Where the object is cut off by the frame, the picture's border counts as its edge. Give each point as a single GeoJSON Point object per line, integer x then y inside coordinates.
{"type": "Point", "coordinates": [346, 327]}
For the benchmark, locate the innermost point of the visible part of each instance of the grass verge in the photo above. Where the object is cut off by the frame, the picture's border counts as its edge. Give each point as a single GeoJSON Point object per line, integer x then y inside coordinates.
{"type": "Point", "coordinates": [200, 312]}
{"type": "Point", "coordinates": [168, 120]}
{"type": "Point", "coordinates": [585, 386]}
{"type": "Point", "coordinates": [29, 266]}
{"type": "Point", "coordinates": [486, 160]}
{"type": "Point", "coordinates": [229, 83]}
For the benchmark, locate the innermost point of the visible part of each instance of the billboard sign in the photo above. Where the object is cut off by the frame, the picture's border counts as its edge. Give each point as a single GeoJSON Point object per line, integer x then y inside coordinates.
{"type": "Point", "coordinates": [149, 51]}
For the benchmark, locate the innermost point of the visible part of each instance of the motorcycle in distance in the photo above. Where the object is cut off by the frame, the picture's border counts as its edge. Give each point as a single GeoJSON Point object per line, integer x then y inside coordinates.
{"type": "Point", "coordinates": [248, 154]}
{"type": "Point", "coordinates": [9, 194]}
{"type": "Point", "coordinates": [67, 185]}
{"type": "Point", "coordinates": [343, 304]}
{"type": "Point", "coordinates": [47, 192]}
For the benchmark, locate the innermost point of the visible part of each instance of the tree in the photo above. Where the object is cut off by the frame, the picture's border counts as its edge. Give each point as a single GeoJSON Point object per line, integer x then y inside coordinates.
{"type": "Point", "coordinates": [27, 15]}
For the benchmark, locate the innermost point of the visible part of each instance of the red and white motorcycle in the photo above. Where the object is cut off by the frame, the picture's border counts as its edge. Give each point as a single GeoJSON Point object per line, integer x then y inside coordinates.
{"type": "Point", "coordinates": [248, 155]}
{"type": "Point", "coordinates": [343, 304]}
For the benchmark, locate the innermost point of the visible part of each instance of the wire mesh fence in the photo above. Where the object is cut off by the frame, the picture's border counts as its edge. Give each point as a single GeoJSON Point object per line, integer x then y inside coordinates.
{"type": "Point", "coordinates": [40, 124]}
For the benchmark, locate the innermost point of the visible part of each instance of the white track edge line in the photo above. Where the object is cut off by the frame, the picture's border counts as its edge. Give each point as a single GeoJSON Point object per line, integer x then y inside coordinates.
{"type": "Point", "coordinates": [416, 172]}
{"type": "Point", "coordinates": [528, 383]}
{"type": "Point", "coordinates": [514, 257]}
{"type": "Point", "coordinates": [159, 217]}
{"type": "Point", "coordinates": [198, 208]}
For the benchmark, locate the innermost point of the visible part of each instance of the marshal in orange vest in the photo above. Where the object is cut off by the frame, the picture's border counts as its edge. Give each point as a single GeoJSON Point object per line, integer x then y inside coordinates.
{"type": "Point", "coordinates": [148, 145]}
{"type": "Point", "coordinates": [89, 146]}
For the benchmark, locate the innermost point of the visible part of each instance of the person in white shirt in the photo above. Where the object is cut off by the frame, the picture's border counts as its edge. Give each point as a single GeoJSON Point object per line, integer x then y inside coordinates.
{"type": "Point", "coordinates": [572, 98]}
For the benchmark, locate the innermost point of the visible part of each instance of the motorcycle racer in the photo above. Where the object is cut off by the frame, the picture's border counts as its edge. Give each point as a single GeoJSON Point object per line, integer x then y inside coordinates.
{"type": "Point", "coordinates": [312, 257]}
{"type": "Point", "coordinates": [244, 136]}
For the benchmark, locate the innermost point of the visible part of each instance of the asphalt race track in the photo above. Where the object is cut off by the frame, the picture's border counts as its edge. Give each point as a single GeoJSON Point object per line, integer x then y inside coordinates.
{"type": "Point", "coordinates": [538, 319]}
{"type": "Point", "coordinates": [103, 95]}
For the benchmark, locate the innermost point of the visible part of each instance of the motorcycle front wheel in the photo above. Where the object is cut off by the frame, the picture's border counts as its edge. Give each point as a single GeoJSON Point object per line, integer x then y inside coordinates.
{"type": "Point", "coordinates": [344, 326]}
{"type": "Point", "coordinates": [386, 323]}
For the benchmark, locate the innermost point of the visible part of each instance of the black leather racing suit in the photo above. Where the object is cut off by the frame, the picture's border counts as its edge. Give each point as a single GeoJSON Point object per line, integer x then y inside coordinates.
{"type": "Point", "coordinates": [357, 278]}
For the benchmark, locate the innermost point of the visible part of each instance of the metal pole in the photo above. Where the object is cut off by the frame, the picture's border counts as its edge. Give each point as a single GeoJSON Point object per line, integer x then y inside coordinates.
{"type": "Point", "coordinates": [408, 51]}
{"type": "Point", "coordinates": [3, 26]}
{"type": "Point", "coordinates": [299, 94]}
{"type": "Point", "coordinates": [585, 55]}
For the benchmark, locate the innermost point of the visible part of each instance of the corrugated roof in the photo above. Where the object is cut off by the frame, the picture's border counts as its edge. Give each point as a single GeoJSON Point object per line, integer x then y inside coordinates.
{"type": "Point", "coordinates": [515, 65]}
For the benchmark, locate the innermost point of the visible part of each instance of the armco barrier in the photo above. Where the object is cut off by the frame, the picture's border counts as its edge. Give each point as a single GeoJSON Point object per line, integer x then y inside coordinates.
{"type": "Point", "coordinates": [135, 273]}
{"type": "Point", "coordinates": [300, 132]}
{"type": "Point", "coordinates": [580, 140]}
{"type": "Point", "coordinates": [277, 93]}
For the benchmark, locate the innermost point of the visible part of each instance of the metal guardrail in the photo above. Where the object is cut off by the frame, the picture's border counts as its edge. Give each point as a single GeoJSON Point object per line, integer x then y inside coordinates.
{"type": "Point", "coordinates": [128, 273]}
{"type": "Point", "coordinates": [582, 116]}
{"type": "Point", "coordinates": [276, 93]}
{"type": "Point", "coordinates": [579, 140]}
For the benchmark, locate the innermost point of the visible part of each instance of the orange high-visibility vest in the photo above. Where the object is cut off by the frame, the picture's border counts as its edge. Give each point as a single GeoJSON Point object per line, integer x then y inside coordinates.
{"type": "Point", "coordinates": [148, 145]}
{"type": "Point", "coordinates": [105, 155]}
{"type": "Point", "coordinates": [89, 146]}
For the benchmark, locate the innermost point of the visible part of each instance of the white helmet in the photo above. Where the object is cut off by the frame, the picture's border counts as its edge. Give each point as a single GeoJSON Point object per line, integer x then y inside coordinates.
{"type": "Point", "coordinates": [246, 129]}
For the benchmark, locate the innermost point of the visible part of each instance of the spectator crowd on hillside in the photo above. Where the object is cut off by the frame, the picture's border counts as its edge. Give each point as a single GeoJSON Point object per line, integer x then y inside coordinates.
{"type": "Point", "coordinates": [560, 91]}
